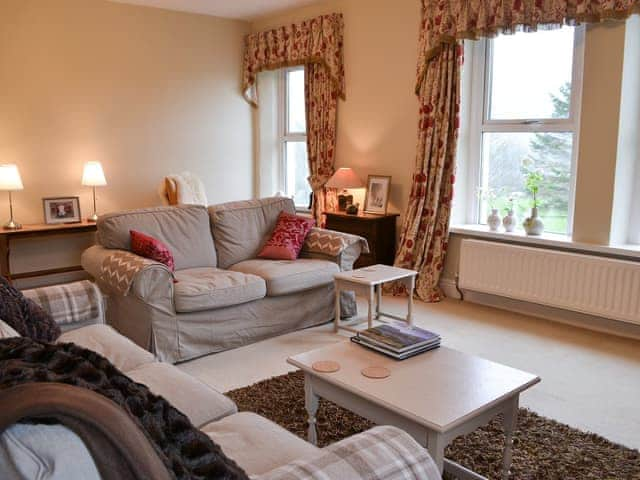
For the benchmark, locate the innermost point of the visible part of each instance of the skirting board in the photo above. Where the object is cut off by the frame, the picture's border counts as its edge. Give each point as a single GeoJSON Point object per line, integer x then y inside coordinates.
{"type": "Point", "coordinates": [575, 319]}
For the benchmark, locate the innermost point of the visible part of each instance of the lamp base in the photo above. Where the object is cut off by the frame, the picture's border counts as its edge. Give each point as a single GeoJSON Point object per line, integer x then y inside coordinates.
{"type": "Point", "coordinates": [93, 218]}
{"type": "Point", "coordinates": [11, 225]}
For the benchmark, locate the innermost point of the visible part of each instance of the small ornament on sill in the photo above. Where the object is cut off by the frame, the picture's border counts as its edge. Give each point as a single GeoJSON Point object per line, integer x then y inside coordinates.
{"type": "Point", "coordinates": [509, 221]}
{"type": "Point", "coordinates": [533, 225]}
{"type": "Point", "coordinates": [494, 220]}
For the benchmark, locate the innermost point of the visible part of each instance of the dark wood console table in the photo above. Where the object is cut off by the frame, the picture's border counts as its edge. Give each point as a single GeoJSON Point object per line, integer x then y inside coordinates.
{"type": "Point", "coordinates": [38, 231]}
{"type": "Point", "coordinates": [379, 230]}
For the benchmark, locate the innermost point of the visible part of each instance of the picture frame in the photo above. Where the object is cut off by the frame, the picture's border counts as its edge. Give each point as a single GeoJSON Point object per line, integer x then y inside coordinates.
{"type": "Point", "coordinates": [59, 210]}
{"type": "Point", "coordinates": [377, 196]}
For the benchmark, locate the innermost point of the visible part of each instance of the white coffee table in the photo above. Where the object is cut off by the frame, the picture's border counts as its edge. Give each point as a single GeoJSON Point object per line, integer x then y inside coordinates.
{"type": "Point", "coordinates": [368, 281]}
{"type": "Point", "coordinates": [435, 396]}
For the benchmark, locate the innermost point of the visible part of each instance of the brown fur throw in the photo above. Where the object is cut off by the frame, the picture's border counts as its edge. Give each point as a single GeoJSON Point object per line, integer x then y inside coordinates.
{"type": "Point", "coordinates": [187, 452]}
{"type": "Point", "coordinates": [25, 316]}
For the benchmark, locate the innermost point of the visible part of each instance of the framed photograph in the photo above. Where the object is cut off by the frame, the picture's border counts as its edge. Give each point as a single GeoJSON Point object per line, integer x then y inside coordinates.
{"type": "Point", "coordinates": [61, 210]}
{"type": "Point", "coordinates": [377, 195]}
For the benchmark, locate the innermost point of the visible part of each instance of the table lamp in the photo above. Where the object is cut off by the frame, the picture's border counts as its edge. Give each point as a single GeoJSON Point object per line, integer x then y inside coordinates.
{"type": "Point", "coordinates": [10, 181]}
{"type": "Point", "coordinates": [344, 178]}
{"type": "Point", "coordinates": [93, 176]}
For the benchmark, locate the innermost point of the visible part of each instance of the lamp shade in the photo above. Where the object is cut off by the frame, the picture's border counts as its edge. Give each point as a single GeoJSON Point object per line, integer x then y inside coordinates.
{"type": "Point", "coordinates": [10, 178]}
{"type": "Point", "coordinates": [93, 175]}
{"type": "Point", "coordinates": [344, 178]}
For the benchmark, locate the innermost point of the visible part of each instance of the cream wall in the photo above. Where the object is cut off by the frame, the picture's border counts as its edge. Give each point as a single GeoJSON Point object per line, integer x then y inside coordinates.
{"type": "Point", "coordinates": [145, 91]}
{"type": "Point", "coordinates": [377, 123]}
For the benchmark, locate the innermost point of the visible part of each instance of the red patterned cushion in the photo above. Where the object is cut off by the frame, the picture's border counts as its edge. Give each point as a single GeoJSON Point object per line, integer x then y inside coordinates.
{"type": "Point", "coordinates": [287, 238]}
{"type": "Point", "coordinates": [149, 247]}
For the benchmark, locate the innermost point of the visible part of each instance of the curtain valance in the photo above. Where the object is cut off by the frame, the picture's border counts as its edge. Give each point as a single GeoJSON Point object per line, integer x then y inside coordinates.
{"type": "Point", "coordinates": [318, 40]}
{"type": "Point", "coordinates": [446, 21]}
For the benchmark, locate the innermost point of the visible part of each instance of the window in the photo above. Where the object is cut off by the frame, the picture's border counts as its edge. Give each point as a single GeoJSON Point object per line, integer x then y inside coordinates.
{"type": "Point", "coordinates": [293, 137]}
{"type": "Point", "coordinates": [525, 103]}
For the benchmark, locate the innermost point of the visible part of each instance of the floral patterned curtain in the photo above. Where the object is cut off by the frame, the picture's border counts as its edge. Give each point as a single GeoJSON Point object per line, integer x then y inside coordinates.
{"type": "Point", "coordinates": [318, 40]}
{"type": "Point", "coordinates": [321, 105]}
{"type": "Point", "coordinates": [423, 239]}
{"type": "Point", "coordinates": [425, 231]}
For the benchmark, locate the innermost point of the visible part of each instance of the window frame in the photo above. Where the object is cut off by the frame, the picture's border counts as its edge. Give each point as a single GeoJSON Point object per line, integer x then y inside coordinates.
{"type": "Point", "coordinates": [284, 135]}
{"type": "Point", "coordinates": [481, 65]}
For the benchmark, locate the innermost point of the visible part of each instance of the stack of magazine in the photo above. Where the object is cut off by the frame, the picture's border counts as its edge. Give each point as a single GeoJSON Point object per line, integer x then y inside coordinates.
{"type": "Point", "coordinates": [398, 340]}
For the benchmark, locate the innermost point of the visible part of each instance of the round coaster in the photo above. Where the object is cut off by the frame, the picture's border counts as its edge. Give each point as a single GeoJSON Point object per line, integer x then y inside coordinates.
{"type": "Point", "coordinates": [326, 366]}
{"type": "Point", "coordinates": [376, 372]}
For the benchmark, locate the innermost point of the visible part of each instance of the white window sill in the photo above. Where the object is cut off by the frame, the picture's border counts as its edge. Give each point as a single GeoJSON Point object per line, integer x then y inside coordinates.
{"type": "Point", "coordinates": [563, 242]}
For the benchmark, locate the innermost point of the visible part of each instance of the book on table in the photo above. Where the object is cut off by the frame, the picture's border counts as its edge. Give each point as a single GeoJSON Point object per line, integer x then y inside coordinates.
{"type": "Point", "coordinates": [398, 340]}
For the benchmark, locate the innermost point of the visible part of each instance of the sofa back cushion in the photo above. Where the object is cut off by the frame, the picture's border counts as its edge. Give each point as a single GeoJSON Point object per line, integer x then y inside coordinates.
{"type": "Point", "coordinates": [240, 229]}
{"type": "Point", "coordinates": [183, 229]}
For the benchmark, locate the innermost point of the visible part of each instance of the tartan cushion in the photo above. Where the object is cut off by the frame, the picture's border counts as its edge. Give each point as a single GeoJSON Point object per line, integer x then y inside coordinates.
{"type": "Point", "coordinates": [151, 248]}
{"type": "Point", "coordinates": [68, 303]}
{"type": "Point", "coordinates": [382, 453]}
{"type": "Point", "coordinates": [287, 238]}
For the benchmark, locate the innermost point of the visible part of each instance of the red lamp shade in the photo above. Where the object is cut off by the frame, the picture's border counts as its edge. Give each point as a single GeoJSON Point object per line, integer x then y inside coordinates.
{"type": "Point", "coordinates": [344, 178]}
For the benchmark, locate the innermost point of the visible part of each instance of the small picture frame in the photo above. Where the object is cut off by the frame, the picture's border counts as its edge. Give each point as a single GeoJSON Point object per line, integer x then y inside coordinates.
{"type": "Point", "coordinates": [61, 210]}
{"type": "Point", "coordinates": [377, 196]}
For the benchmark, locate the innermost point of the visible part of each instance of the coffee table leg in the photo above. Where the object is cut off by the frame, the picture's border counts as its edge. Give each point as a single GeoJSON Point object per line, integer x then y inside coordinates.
{"type": "Point", "coordinates": [435, 446]}
{"type": "Point", "coordinates": [411, 281]}
{"type": "Point", "coordinates": [311, 403]}
{"type": "Point", "coordinates": [509, 422]}
{"type": "Point", "coordinates": [378, 300]}
{"type": "Point", "coordinates": [336, 320]}
{"type": "Point", "coordinates": [370, 313]}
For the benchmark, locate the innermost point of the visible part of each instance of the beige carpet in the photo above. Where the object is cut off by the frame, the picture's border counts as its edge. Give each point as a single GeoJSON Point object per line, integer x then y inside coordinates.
{"type": "Point", "coordinates": [590, 380]}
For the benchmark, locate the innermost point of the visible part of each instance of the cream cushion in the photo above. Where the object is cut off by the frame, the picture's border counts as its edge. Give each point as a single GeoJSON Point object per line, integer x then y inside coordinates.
{"type": "Point", "coordinates": [257, 444]}
{"type": "Point", "coordinates": [207, 288]}
{"type": "Point", "coordinates": [7, 331]}
{"type": "Point", "coordinates": [184, 229]}
{"type": "Point", "coordinates": [201, 403]}
{"type": "Point", "coordinates": [102, 339]}
{"type": "Point", "coordinates": [289, 276]}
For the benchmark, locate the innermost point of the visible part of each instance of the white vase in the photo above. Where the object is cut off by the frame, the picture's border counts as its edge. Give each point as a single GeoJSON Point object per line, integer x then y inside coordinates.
{"type": "Point", "coordinates": [509, 221]}
{"type": "Point", "coordinates": [494, 220]}
{"type": "Point", "coordinates": [533, 225]}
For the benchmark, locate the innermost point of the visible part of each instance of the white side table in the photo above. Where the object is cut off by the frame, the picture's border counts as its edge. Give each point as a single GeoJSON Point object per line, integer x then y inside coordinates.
{"type": "Point", "coordinates": [368, 282]}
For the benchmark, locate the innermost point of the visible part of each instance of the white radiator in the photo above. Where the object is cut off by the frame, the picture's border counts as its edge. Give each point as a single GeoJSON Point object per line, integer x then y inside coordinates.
{"type": "Point", "coordinates": [593, 285]}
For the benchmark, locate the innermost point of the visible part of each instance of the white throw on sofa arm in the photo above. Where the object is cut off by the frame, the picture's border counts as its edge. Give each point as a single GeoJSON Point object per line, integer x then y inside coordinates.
{"type": "Point", "coordinates": [382, 453]}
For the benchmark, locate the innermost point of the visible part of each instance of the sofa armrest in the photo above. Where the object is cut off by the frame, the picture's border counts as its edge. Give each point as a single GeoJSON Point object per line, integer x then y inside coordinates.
{"type": "Point", "coordinates": [71, 305]}
{"type": "Point", "coordinates": [341, 248]}
{"type": "Point", "coordinates": [382, 452]}
{"type": "Point", "coordinates": [119, 272]}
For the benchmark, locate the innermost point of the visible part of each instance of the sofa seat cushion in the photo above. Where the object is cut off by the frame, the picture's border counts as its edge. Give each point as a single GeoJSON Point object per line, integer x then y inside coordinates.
{"type": "Point", "coordinates": [116, 348]}
{"type": "Point", "coordinates": [201, 403]}
{"type": "Point", "coordinates": [257, 444]}
{"type": "Point", "coordinates": [289, 276]}
{"type": "Point", "coordinates": [208, 288]}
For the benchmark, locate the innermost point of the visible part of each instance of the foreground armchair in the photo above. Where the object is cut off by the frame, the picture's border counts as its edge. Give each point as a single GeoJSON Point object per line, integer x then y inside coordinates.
{"type": "Point", "coordinates": [101, 407]}
{"type": "Point", "coordinates": [220, 296]}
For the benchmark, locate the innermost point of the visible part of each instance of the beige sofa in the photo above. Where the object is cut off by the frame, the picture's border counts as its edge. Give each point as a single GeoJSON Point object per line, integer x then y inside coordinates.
{"type": "Point", "coordinates": [222, 296]}
{"type": "Point", "coordinates": [263, 449]}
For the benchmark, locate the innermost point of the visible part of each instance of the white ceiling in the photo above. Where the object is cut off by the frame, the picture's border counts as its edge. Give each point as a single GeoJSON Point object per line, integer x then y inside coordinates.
{"type": "Point", "coordinates": [240, 9]}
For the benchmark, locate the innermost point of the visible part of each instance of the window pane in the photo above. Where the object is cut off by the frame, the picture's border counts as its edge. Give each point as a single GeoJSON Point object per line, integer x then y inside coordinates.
{"type": "Point", "coordinates": [297, 173]}
{"type": "Point", "coordinates": [507, 159]}
{"type": "Point", "coordinates": [531, 75]}
{"type": "Point", "coordinates": [295, 102]}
